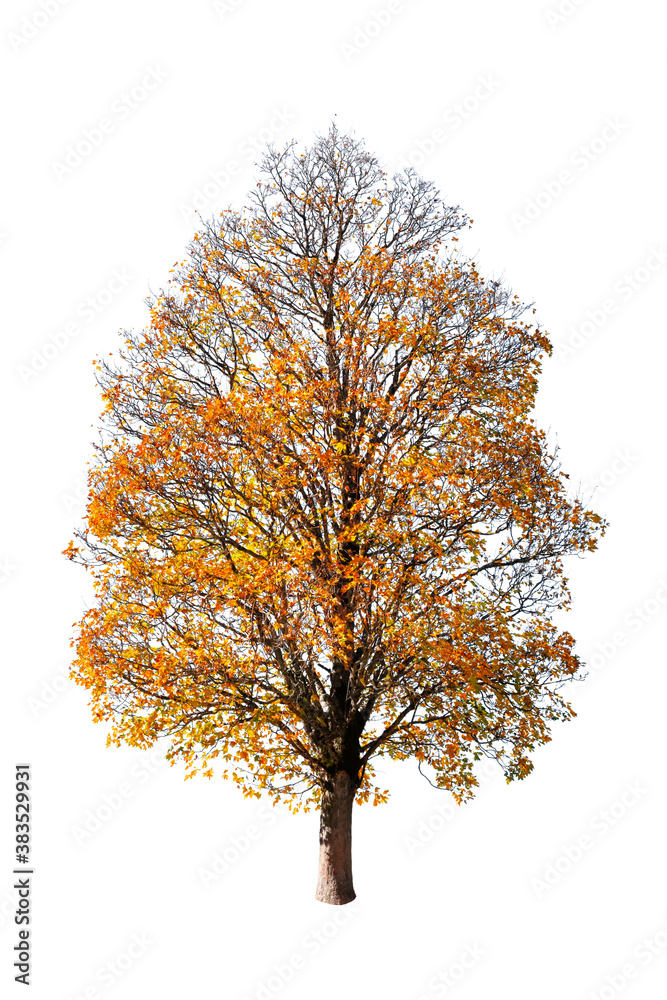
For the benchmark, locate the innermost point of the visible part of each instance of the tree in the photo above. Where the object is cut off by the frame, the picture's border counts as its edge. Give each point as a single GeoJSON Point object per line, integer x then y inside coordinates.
{"type": "Point", "coordinates": [322, 526]}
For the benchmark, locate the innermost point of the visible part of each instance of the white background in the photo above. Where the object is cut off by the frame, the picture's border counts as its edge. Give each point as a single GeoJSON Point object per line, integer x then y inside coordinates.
{"type": "Point", "coordinates": [502, 897]}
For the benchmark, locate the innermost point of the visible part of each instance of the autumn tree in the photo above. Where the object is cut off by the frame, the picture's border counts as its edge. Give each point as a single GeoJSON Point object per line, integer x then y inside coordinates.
{"type": "Point", "coordinates": [322, 525]}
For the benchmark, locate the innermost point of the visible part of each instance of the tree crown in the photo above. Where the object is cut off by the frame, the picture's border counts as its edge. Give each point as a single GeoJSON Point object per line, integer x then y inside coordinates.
{"type": "Point", "coordinates": [322, 524]}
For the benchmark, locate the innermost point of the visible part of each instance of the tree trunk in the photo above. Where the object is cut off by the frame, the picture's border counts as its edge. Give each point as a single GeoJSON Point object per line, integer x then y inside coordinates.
{"type": "Point", "coordinates": [334, 884]}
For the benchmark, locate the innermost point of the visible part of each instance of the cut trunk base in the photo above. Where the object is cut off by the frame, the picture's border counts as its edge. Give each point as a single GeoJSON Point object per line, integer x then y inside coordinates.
{"type": "Point", "coordinates": [334, 884]}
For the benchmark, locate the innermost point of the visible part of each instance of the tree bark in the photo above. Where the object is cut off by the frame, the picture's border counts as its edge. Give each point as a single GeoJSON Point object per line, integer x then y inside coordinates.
{"type": "Point", "coordinates": [334, 884]}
